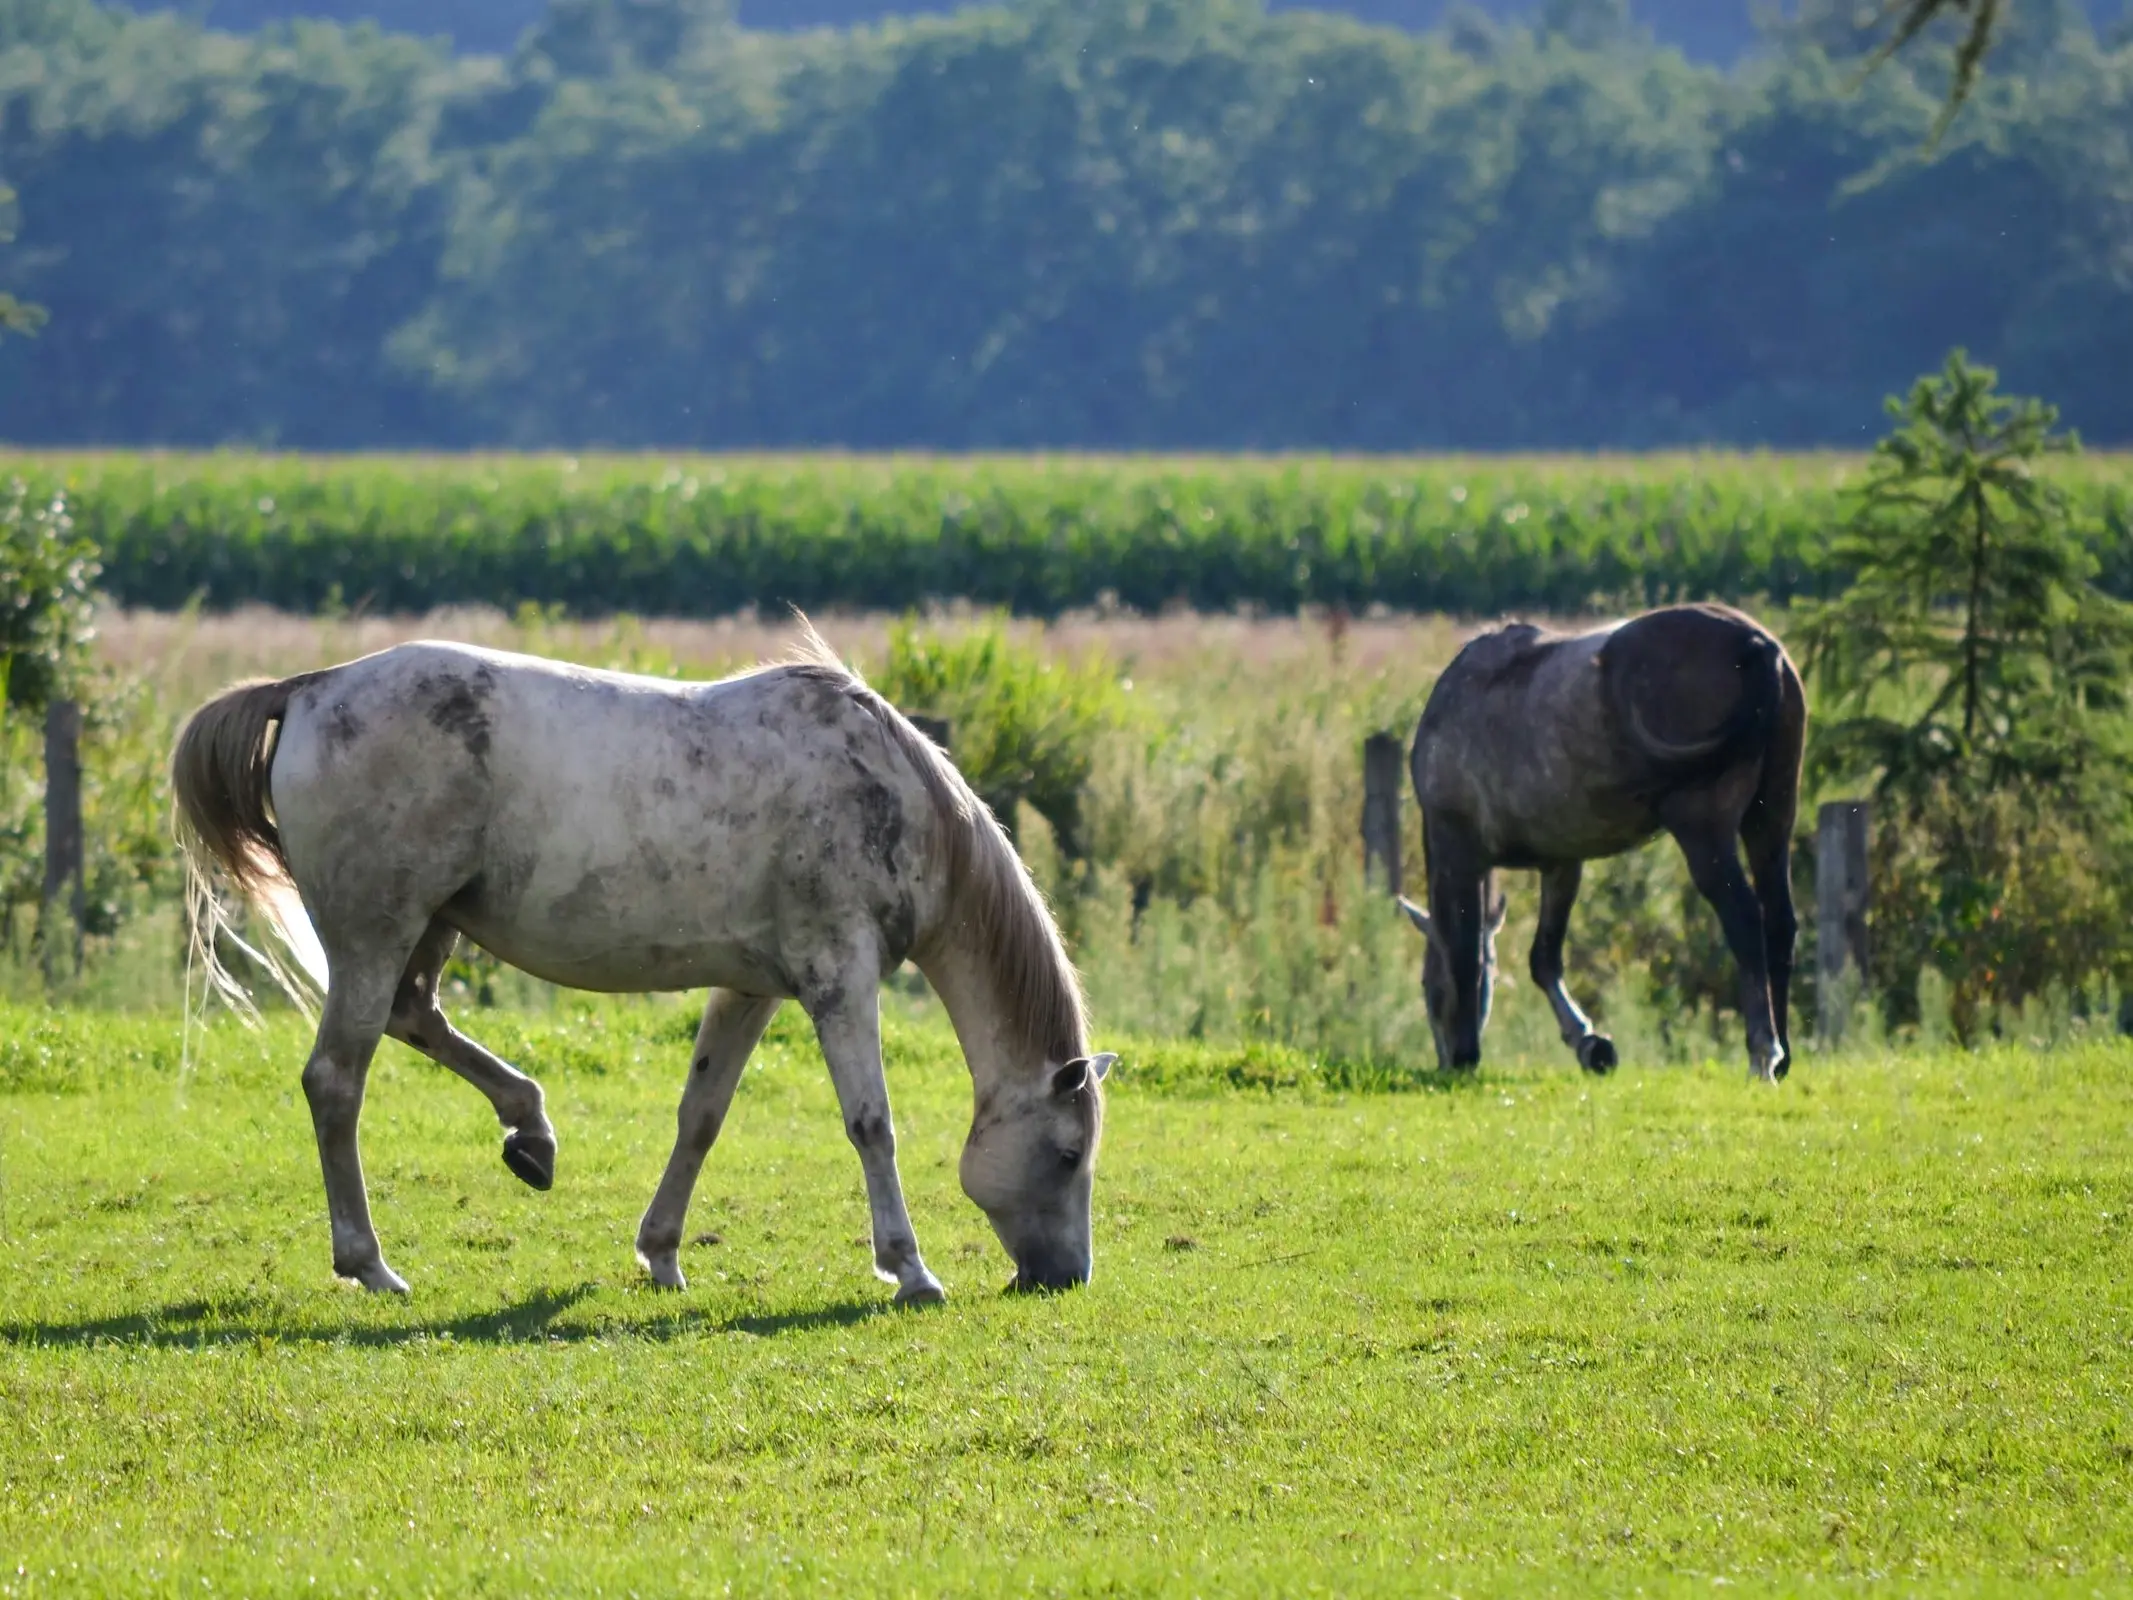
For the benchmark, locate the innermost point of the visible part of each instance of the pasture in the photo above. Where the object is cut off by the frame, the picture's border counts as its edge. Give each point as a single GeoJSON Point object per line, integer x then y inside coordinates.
{"type": "Point", "coordinates": [1350, 1331]}
{"type": "Point", "coordinates": [1650, 1334]}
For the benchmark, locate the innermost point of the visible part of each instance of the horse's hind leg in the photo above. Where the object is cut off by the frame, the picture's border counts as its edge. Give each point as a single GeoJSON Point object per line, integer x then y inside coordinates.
{"type": "Point", "coordinates": [1713, 851]}
{"type": "Point", "coordinates": [357, 1004]}
{"type": "Point", "coordinates": [417, 1020]}
{"type": "Point", "coordinates": [1766, 830]}
{"type": "Point", "coordinates": [1559, 892]}
{"type": "Point", "coordinates": [1768, 837]}
{"type": "Point", "coordinates": [732, 1025]}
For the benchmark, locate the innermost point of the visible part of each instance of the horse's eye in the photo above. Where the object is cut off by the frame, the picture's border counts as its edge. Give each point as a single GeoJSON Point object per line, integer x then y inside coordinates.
{"type": "Point", "coordinates": [1070, 1158]}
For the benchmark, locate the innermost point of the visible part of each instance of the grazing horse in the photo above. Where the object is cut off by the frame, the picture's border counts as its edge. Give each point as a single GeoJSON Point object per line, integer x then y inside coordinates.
{"type": "Point", "coordinates": [1544, 750]}
{"type": "Point", "coordinates": [783, 834]}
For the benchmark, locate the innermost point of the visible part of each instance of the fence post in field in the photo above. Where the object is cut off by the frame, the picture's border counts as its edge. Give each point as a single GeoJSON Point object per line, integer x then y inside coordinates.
{"type": "Point", "coordinates": [1840, 913]}
{"type": "Point", "coordinates": [1382, 778]}
{"type": "Point", "coordinates": [62, 829]}
{"type": "Point", "coordinates": [935, 728]}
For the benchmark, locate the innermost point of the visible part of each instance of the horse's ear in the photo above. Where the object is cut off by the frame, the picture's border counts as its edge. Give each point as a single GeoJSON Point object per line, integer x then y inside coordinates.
{"type": "Point", "coordinates": [1415, 914]}
{"type": "Point", "coordinates": [1102, 1062]}
{"type": "Point", "coordinates": [1077, 1075]}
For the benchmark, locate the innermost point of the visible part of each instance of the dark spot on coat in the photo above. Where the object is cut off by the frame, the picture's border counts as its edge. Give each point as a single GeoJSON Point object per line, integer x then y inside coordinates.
{"type": "Point", "coordinates": [701, 1063]}
{"type": "Point", "coordinates": [588, 899]}
{"type": "Point", "coordinates": [663, 787]}
{"type": "Point", "coordinates": [899, 928]}
{"type": "Point", "coordinates": [461, 712]}
{"type": "Point", "coordinates": [656, 866]}
{"type": "Point", "coordinates": [869, 1130]}
{"type": "Point", "coordinates": [415, 1038]}
{"type": "Point", "coordinates": [343, 727]}
{"type": "Point", "coordinates": [881, 818]}
{"type": "Point", "coordinates": [830, 699]}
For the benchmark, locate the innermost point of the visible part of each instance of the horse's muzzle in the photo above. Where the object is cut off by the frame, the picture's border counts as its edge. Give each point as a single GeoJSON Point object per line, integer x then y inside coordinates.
{"type": "Point", "coordinates": [1046, 1277]}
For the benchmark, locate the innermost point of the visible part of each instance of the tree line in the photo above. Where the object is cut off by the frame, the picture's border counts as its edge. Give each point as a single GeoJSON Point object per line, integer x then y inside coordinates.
{"type": "Point", "coordinates": [1148, 224]}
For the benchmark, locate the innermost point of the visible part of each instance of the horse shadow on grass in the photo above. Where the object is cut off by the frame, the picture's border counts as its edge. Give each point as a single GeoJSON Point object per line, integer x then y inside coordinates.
{"type": "Point", "coordinates": [541, 1317]}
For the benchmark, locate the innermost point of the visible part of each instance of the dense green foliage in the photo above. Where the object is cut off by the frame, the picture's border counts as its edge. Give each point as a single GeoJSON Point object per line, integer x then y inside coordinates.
{"type": "Point", "coordinates": [1023, 728]}
{"type": "Point", "coordinates": [1537, 1336]}
{"type": "Point", "coordinates": [1180, 225]}
{"type": "Point", "coordinates": [48, 573]}
{"type": "Point", "coordinates": [708, 536]}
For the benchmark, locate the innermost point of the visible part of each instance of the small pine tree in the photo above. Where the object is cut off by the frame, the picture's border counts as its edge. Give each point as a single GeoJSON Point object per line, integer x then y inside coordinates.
{"type": "Point", "coordinates": [1976, 672]}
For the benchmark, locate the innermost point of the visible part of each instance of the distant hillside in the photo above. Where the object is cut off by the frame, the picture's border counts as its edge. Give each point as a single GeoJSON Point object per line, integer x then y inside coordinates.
{"type": "Point", "coordinates": [1705, 30]}
{"type": "Point", "coordinates": [1059, 224]}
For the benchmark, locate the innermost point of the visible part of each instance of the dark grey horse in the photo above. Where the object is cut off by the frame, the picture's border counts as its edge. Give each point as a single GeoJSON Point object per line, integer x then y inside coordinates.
{"type": "Point", "coordinates": [1543, 750]}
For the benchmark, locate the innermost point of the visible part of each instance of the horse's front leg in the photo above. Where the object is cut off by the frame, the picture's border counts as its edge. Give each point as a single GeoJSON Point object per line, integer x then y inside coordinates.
{"type": "Point", "coordinates": [349, 1028]}
{"type": "Point", "coordinates": [732, 1025]}
{"type": "Point", "coordinates": [847, 1018]}
{"type": "Point", "coordinates": [1559, 892]}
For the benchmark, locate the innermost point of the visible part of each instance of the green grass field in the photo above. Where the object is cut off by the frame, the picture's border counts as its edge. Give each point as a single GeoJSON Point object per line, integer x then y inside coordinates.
{"type": "Point", "coordinates": [1535, 1333]}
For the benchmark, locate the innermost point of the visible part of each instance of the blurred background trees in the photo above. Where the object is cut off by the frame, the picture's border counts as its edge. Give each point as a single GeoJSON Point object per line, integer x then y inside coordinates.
{"type": "Point", "coordinates": [1194, 223]}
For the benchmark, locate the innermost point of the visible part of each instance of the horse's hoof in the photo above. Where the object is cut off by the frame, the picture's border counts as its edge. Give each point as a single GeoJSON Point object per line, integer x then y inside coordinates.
{"type": "Point", "coordinates": [375, 1276]}
{"type": "Point", "coordinates": [665, 1272]}
{"type": "Point", "coordinates": [531, 1158]}
{"type": "Point", "coordinates": [1596, 1053]}
{"type": "Point", "coordinates": [927, 1293]}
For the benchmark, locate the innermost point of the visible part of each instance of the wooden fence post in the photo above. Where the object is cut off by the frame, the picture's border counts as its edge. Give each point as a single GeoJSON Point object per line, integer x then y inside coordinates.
{"type": "Point", "coordinates": [935, 728]}
{"type": "Point", "coordinates": [1382, 780]}
{"type": "Point", "coordinates": [62, 827]}
{"type": "Point", "coordinates": [1840, 912]}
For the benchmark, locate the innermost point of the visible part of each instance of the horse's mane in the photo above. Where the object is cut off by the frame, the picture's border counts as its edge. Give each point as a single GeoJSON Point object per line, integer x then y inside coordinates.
{"type": "Point", "coordinates": [989, 887]}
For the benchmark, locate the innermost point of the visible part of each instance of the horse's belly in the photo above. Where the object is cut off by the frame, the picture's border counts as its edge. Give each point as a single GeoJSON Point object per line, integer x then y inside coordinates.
{"type": "Point", "coordinates": [636, 962]}
{"type": "Point", "coordinates": [629, 923]}
{"type": "Point", "coordinates": [1588, 827]}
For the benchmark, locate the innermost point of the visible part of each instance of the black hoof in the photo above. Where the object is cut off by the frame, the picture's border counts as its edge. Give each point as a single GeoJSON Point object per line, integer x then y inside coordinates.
{"type": "Point", "coordinates": [1596, 1053]}
{"type": "Point", "coordinates": [531, 1158]}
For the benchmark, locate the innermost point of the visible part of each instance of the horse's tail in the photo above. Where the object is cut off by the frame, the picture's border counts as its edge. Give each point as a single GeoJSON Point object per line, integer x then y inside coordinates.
{"type": "Point", "coordinates": [1754, 714]}
{"type": "Point", "coordinates": [219, 778]}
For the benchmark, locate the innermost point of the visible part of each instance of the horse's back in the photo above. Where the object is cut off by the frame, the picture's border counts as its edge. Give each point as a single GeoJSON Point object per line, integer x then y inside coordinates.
{"type": "Point", "coordinates": [603, 829]}
{"type": "Point", "coordinates": [1520, 704]}
{"type": "Point", "coordinates": [1524, 742]}
{"type": "Point", "coordinates": [1516, 748]}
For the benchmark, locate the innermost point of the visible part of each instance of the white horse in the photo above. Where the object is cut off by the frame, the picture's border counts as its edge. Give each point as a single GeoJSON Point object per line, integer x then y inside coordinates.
{"type": "Point", "coordinates": [784, 834]}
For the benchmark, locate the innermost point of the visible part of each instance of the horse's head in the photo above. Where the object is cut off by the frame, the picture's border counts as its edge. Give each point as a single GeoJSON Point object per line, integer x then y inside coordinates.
{"type": "Point", "coordinates": [1030, 1165]}
{"type": "Point", "coordinates": [1457, 1013]}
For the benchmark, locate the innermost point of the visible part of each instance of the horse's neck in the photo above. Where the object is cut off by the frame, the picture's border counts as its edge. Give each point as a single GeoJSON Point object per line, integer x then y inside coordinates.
{"type": "Point", "coordinates": [965, 976]}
